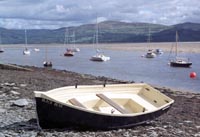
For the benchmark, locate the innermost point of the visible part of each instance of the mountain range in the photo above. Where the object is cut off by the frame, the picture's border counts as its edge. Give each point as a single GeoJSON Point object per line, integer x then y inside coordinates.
{"type": "Point", "coordinates": [109, 32]}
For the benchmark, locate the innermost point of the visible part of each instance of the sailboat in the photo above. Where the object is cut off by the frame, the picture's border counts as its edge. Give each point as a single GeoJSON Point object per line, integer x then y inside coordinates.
{"type": "Point", "coordinates": [74, 49]}
{"type": "Point", "coordinates": [99, 54]}
{"type": "Point", "coordinates": [47, 63]}
{"type": "Point", "coordinates": [179, 61]}
{"type": "Point", "coordinates": [69, 52]}
{"type": "Point", "coordinates": [26, 51]}
{"type": "Point", "coordinates": [36, 49]}
{"type": "Point", "coordinates": [1, 49]}
{"type": "Point", "coordinates": [150, 53]}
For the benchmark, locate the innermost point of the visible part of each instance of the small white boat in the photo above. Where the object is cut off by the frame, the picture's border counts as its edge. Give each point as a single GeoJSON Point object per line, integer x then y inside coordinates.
{"type": "Point", "coordinates": [150, 54]}
{"type": "Point", "coordinates": [36, 49]}
{"type": "Point", "coordinates": [158, 52]}
{"type": "Point", "coordinates": [75, 49]}
{"type": "Point", "coordinates": [99, 57]}
{"type": "Point", "coordinates": [26, 52]}
{"type": "Point", "coordinates": [100, 107]}
{"type": "Point", "coordinates": [99, 54]}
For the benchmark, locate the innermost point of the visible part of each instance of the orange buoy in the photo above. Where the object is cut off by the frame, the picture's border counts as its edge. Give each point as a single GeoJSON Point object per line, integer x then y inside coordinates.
{"type": "Point", "coordinates": [193, 75]}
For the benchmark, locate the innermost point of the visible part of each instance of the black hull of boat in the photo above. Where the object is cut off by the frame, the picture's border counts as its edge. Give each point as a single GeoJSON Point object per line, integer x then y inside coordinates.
{"type": "Point", "coordinates": [48, 64]}
{"type": "Point", "coordinates": [185, 65]}
{"type": "Point", "coordinates": [53, 115]}
{"type": "Point", "coordinates": [68, 55]}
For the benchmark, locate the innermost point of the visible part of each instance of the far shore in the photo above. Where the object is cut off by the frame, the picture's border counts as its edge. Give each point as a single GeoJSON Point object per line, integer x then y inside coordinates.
{"type": "Point", "coordinates": [188, 47]}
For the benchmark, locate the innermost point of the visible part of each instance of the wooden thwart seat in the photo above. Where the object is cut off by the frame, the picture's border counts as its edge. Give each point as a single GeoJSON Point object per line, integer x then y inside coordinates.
{"type": "Point", "coordinates": [75, 102]}
{"type": "Point", "coordinates": [113, 104]}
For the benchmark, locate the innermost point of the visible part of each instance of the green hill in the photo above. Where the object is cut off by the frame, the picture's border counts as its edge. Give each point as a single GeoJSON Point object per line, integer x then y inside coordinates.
{"type": "Point", "coordinates": [109, 32]}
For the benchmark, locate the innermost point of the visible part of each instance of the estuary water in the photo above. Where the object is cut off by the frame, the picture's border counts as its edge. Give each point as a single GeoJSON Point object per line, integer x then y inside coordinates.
{"type": "Point", "coordinates": [124, 65]}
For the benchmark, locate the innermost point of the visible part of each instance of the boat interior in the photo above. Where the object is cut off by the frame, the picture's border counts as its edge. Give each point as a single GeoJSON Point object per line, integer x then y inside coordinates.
{"type": "Point", "coordinates": [111, 99]}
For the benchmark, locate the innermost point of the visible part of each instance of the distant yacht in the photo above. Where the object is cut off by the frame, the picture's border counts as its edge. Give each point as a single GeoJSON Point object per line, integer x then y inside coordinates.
{"type": "Point", "coordinates": [26, 50]}
{"type": "Point", "coordinates": [74, 48]}
{"type": "Point", "coordinates": [99, 57]}
{"type": "Point", "coordinates": [1, 49]}
{"type": "Point", "coordinates": [69, 52]}
{"type": "Point", "coordinates": [179, 61]}
{"type": "Point", "coordinates": [47, 63]}
{"type": "Point", "coordinates": [158, 52]}
{"type": "Point", "coordinates": [150, 53]}
{"type": "Point", "coordinates": [36, 49]}
{"type": "Point", "coordinates": [99, 54]}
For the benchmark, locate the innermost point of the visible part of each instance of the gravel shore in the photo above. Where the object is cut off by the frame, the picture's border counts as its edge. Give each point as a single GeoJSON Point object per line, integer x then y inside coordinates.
{"type": "Point", "coordinates": [183, 119]}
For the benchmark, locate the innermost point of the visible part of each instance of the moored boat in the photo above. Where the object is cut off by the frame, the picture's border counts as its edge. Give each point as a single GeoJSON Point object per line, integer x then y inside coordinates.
{"type": "Point", "coordinates": [100, 57]}
{"type": "Point", "coordinates": [180, 61]}
{"type": "Point", "coordinates": [36, 49]}
{"type": "Point", "coordinates": [1, 50]}
{"type": "Point", "coordinates": [26, 51]}
{"type": "Point", "coordinates": [47, 64]}
{"type": "Point", "coordinates": [158, 52]}
{"type": "Point", "coordinates": [100, 107]}
{"type": "Point", "coordinates": [69, 53]}
{"type": "Point", "coordinates": [150, 54]}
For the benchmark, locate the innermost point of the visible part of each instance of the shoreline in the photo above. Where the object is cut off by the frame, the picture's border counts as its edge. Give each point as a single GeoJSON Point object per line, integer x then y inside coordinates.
{"type": "Point", "coordinates": [30, 68]}
{"type": "Point", "coordinates": [187, 47]}
{"type": "Point", "coordinates": [181, 120]}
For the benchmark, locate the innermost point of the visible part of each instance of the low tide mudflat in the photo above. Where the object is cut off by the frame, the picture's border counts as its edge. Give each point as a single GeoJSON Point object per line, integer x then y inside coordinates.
{"type": "Point", "coordinates": [189, 47]}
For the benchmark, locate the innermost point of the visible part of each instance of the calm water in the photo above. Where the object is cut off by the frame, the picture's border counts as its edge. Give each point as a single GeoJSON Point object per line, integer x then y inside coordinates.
{"type": "Point", "coordinates": [124, 65]}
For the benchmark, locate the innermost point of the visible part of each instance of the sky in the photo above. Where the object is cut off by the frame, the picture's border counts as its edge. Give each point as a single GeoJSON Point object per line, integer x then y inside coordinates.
{"type": "Point", "coordinates": [53, 14]}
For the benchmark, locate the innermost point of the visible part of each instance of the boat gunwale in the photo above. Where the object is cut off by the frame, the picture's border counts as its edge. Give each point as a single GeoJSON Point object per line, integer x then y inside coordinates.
{"type": "Point", "coordinates": [44, 95]}
{"type": "Point", "coordinates": [113, 115]}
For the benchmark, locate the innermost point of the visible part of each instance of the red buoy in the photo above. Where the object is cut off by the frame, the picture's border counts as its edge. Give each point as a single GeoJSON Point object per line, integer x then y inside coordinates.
{"type": "Point", "coordinates": [193, 75]}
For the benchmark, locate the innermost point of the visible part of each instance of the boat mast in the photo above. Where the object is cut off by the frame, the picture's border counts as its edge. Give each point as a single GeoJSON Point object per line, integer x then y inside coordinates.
{"type": "Point", "coordinates": [176, 42]}
{"type": "Point", "coordinates": [46, 53]}
{"type": "Point", "coordinates": [66, 37]}
{"type": "Point", "coordinates": [25, 38]}
{"type": "Point", "coordinates": [149, 38]}
{"type": "Point", "coordinates": [0, 39]}
{"type": "Point", "coordinates": [97, 31]}
{"type": "Point", "coordinates": [74, 39]}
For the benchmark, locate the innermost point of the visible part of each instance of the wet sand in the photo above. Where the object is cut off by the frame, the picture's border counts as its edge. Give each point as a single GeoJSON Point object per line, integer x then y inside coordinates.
{"type": "Point", "coordinates": [188, 47]}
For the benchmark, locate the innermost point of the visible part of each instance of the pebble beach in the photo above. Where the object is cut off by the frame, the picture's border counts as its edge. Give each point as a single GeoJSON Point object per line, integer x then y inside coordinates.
{"type": "Point", "coordinates": [18, 112]}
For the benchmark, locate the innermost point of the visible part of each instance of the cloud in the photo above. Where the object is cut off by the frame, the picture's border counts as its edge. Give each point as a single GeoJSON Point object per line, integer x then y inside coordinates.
{"type": "Point", "coordinates": [60, 13]}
